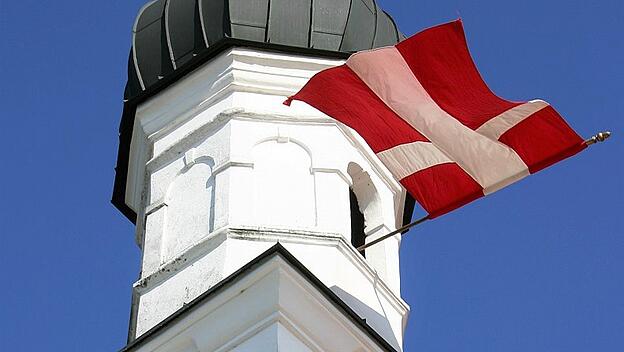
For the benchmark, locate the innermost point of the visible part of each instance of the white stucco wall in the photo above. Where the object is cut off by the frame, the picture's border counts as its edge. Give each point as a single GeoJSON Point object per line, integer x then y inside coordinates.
{"type": "Point", "coordinates": [268, 308]}
{"type": "Point", "coordinates": [220, 170]}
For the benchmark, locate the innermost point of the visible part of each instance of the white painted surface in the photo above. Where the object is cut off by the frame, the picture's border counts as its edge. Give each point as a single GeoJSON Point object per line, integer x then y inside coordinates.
{"type": "Point", "coordinates": [225, 171]}
{"type": "Point", "coordinates": [189, 206]}
{"type": "Point", "coordinates": [290, 189]}
{"type": "Point", "coordinates": [270, 308]}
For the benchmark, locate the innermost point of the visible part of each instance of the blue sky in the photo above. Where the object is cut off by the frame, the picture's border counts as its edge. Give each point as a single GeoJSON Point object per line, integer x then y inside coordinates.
{"type": "Point", "coordinates": [536, 267]}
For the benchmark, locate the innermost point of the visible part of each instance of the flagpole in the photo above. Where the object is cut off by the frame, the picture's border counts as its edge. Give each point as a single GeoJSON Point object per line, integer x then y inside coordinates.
{"type": "Point", "coordinates": [600, 137]}
{"type": "Point", "coordinates": [397, 231]}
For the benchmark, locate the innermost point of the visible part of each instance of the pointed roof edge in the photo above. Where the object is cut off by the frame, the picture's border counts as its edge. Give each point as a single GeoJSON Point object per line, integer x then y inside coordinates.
{"type": "Point", "coordinates": [274, 251]}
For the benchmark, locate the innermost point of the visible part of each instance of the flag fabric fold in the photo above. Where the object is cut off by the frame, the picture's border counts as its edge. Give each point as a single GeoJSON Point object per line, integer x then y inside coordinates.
{"type": "Point", "coordinates": [424, 109]}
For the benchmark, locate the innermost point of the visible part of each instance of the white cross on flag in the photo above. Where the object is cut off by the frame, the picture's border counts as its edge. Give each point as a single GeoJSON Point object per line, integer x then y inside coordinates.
{"type": "Point", "coordinates": [424, 109]}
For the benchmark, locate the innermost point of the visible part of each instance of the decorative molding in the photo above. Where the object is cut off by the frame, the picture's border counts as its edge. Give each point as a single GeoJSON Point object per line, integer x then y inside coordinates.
{"type": "Point", "coordinates": [273, 266]}
{"type": "Point", "coordinates": [237, 70]}
{"type": "Point", "coordinates": [370, 230]}
{"type": "Point", "coordinates": [250, 332]}
{"type": "Point", "coordinates": [189, 256]}
{"type": "Point", "coordinates": [273, 235]}
{"type": "Point", "coordinates": [189, 157]}
{"type": "Point", "coordinates": [275, 317]}
{"type": "Point", "coordinates": [188, 141]}
{"type": "Point", "coordinates": [338, 172]}
{"type": "Point", "coordinates": [155, 206]}
{"type": "Point", "coordinates": [232, 163]}
{"type": "Point", "coordinates": [140, 151]}
{"type": "Point", "coordinates": [226, 116]}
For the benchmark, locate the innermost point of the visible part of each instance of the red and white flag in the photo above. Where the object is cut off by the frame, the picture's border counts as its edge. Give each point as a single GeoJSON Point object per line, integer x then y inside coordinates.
{"type": "Point", "coordinates": [424, 109]}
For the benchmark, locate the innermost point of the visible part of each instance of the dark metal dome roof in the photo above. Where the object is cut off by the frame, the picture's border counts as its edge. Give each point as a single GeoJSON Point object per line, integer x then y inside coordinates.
{"type": "Point", "coordinates": [173, 37]}
{"type": "Point", "coordinates": [169, 33]}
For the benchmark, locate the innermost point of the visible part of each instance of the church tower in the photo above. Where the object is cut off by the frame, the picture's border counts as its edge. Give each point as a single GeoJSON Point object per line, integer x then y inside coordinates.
{"type": "Point", "coordinates": [248, 212]}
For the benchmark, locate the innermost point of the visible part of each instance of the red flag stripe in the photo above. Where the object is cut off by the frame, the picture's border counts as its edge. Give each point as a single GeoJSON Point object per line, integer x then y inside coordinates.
{"type": "Point", "coordinates": [339, 93]}
{"type": "Point", "coordinates": [497, 126]}
{"type": "Point", "coordinates": [440, 59]}
{"type": "Point", "coordinates": [442, 188]}
{"type": "Point", "coordinates": [492, 164]}
{"type": "Point", "coordinates": [426, 112]}
{"type": "Point", "coordinates": [543, 139]}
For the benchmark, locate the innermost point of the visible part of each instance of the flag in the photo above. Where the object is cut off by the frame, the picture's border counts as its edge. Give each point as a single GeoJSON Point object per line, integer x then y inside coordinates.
{"type": "Point", "coordinates": [424, 109]}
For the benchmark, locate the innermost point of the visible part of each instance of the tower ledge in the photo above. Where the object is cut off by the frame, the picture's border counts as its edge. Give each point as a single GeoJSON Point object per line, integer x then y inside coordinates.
{"type": "Point", "coordinates": [270, 304]}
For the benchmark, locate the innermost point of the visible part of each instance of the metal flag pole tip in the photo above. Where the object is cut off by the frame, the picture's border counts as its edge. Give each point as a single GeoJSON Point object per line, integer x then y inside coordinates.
{"type": "Point", "coordinates": [600, 137]}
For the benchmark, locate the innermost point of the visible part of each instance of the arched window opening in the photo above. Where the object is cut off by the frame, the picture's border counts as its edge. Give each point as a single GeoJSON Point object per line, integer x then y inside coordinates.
{"type": "Point", "coordinates": [365, 205]}
{"type": "Point", "coordinates": [358, 236]}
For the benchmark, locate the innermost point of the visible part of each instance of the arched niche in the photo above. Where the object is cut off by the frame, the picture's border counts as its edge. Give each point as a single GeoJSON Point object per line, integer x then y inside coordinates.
{"type": "Point", "coordinates": [190, 208]}
{"type": "Point", "coordinates": [358, 224]}
{"type": "Point", "coordinates": [364, 192]}
{"type": "Point", "coordinates": [283, 185]}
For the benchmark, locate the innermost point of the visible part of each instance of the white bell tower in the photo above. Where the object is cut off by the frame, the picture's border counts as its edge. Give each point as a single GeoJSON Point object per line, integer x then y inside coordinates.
{"type": "Point", "coordinates": [247, 213]}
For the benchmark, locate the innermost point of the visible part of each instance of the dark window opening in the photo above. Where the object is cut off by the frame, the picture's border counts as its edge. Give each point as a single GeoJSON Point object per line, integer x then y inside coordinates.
{"type": "Point", "coordinates": [357, 223]}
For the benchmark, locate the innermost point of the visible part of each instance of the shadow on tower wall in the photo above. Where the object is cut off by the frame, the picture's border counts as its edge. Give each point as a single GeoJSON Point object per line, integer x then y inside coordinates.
{"type": "Point", "coordinates": [377, 321]}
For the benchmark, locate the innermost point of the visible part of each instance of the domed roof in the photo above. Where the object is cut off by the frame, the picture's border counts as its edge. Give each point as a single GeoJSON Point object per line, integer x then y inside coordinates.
{"type": "Point", "coordinates": [168, 34]}
{"type": "Point", "coordinates": [173, 37]}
